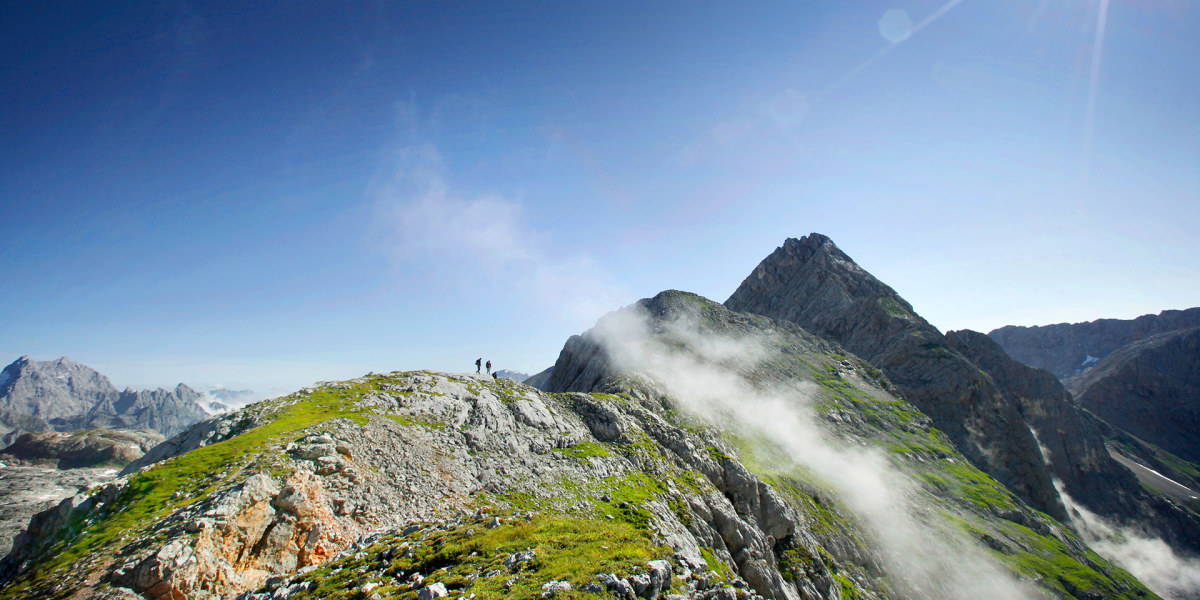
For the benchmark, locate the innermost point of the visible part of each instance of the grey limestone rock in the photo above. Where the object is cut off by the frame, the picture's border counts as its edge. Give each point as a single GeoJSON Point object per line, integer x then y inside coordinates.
{"type": "Point", "coordinates": [436, 590]}
{"type": "Point", "coordinates": [63, 395]}
{"type": "Point", "coordinates": [553, 588]}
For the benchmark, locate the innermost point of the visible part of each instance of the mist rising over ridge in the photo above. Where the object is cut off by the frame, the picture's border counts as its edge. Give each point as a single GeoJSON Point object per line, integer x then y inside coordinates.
{"type": "Point", "coordinates": [991, 405]}
{"type": "Point", "coordinates": [727, 367]}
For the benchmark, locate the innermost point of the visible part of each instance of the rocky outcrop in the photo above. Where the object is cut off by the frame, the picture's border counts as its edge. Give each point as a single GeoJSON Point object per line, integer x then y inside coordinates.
{"type": "Point", "coordinates": [812, 283]}
{"type": "Point", "coordinates": [1075, 447]}
{"type": "Point", "coordinates": [1151, 389]}
{"type": "Point", "coordinates": [1070, 349]}
{"type": "Point", "coordinates": [62, 395]}
{"type": "Point", "coordinates": [80, 449]}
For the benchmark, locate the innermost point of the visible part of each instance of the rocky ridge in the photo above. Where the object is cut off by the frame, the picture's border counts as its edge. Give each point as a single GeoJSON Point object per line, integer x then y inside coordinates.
{"type": "Point", "coordinates": [1070, 349]}
{"type": "Point", "coordinates": [422, 485]}
{"type": "Point", "coordinates": [812, 283]}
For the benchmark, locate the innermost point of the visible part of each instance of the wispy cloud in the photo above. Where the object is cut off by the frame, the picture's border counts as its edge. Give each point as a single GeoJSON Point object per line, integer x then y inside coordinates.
{"type": "Point", "coordinates": [1150, 559]}
{"type": "Point", "coordinates": [481, 243]}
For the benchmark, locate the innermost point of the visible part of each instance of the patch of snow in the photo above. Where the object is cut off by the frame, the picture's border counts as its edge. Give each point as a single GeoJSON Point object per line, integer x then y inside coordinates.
{"type": "Point", "coordinates": [1089, 360]}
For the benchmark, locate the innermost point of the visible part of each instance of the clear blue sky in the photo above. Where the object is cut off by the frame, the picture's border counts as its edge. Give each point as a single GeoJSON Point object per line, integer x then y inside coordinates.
{"type": "Point", "coordinates": [300, 191]}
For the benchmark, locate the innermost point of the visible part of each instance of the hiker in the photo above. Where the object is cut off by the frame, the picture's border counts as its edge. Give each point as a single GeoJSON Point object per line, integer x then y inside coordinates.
{"type": "Point", "coordinates": [489, 367]}
{"type": "Point", "coordinates": [496, 375]}
{"type": "Point", "coordinates": [478, 362]}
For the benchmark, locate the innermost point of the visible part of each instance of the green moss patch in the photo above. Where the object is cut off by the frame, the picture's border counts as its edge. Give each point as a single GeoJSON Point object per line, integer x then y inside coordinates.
{"type": "Point", "coordinates": [462, 558]}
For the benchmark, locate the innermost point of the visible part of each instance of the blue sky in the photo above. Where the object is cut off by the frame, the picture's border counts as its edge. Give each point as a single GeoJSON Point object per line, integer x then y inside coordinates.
{"type": "Point", "coordinates": [301, 191]}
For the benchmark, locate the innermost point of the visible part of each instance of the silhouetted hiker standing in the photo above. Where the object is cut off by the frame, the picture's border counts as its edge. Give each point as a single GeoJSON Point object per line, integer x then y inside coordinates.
{"type": "Point", "coordinates": [489, 367]}
{"type": "Point", "coordinates": [478, 362]}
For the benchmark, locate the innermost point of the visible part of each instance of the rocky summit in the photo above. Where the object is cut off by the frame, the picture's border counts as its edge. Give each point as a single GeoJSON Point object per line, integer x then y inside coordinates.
{"type": "Point", "coordinates": [1015, 422]}
{"type": "Point", "coordinates": [812, 283]}
{"type": "Point", "coordinates": [62, 395]}
{"type": "Point", "coordinates": [693, 452]}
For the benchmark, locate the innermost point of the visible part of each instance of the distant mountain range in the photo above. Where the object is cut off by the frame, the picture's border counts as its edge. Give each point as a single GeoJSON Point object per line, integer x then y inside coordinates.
{"type": "Point", "coordinates": [1141, 376]}
{"type": "Point", "coordinates": [1070, 349]}
{"type": "Point", "coordinates": [513, 375]}
{"type": "Point", "coordinates": [62, 395]}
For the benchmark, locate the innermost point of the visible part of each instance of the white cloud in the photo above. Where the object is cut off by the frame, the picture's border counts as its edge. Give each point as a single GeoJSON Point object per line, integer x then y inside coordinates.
{"type": "Point", "coordinates": [482, 243]}
{"type": "Point", "coordinates": [1148, 558]}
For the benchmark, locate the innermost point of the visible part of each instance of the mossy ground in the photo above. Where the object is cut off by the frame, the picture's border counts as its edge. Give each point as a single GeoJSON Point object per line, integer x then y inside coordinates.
{"type": "Point", "coordinates": [462, 558]}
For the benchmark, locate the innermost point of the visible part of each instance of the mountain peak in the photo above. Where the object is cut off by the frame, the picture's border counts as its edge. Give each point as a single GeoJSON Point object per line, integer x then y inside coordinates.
{"type": "Point", "coordinates": [813, 284]}
{"type": "Point", "coordinates": [813, 240]}
{"type": "Point", "coordinates": [65, 395]}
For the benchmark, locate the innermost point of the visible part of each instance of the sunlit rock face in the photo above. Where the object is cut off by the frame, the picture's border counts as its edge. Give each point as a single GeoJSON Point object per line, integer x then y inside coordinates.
{"type": "Point", "coordinates": [812, 283]}
{"type": "Point", "coordinates": [62, 395]}
{"type": "Point", "coordinates": [717, 455]}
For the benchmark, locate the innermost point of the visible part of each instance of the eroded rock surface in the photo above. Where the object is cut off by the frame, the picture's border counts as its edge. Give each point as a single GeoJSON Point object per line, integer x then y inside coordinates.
{"type": "Point", "coordinates": [26, 491]}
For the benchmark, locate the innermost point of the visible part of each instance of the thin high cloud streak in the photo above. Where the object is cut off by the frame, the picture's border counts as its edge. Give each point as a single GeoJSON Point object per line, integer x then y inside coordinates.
{"type": "Point", "coordinates": [482, 244]}
{"type": "Point", "coordinates": [1148, 558]}
{"type": "Point", "coordinates": [923, 560]}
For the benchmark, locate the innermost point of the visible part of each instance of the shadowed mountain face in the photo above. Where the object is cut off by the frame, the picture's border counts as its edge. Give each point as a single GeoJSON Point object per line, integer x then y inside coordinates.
{"type": "Point", "coordinates": [1151, 389]}
{"type": "Point", "coordinates": [1070, 349]}
{"type": "Point", "coordinates": [1074, 445]}
{"type": "Point", "coordinates": [812, 283]}
{"type": "Point", "coordinates": [62, 395]}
